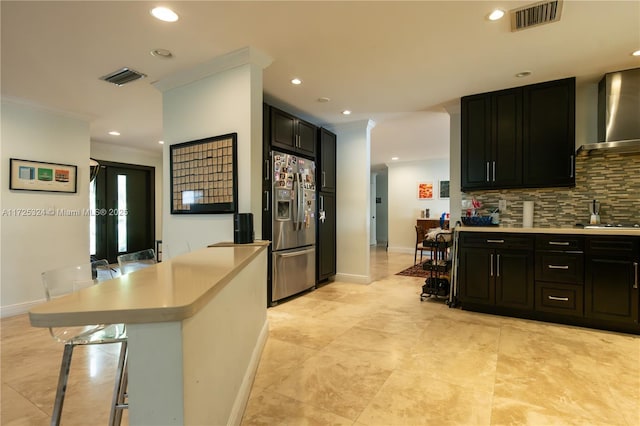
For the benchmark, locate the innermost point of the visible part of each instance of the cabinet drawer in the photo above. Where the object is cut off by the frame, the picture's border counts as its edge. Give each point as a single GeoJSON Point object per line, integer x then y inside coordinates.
{"type": "Point", "coordinates": [563, 299]}
{"type": "Point", "coordinates": [496, 240]}
{"type": "Point", "coordinates": [613, 245]}
{"type": "Point", "coordinates": [559, 242]}
{"type": "Point", "coordinates": [560, 267]}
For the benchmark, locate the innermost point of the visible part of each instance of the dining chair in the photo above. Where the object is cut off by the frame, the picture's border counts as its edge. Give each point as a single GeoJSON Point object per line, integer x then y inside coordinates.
{"type": "Point", "coordinates": [131, 262]}
{"type": "Point", "coordinates": [419, 246]}
{"type": "Point", "coordinates": [66, 280]}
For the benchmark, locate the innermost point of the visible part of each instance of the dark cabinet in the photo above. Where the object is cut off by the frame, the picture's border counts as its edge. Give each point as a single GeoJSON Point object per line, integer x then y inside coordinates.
{"type": "Point", "coordinates": [520, 137]}
{"type": "Point", "coordinates": [548, 139]}
{"type": "Point", "coordinates": [326, 243]}
{"type": "Point", "coordinates": [327, 161]}
{"type": "Point", "coordinates": [292, 134]}
{"type": "Point", "coordinates": [496, 270]}
{"type": "Point", "coordinates": [611, 287]}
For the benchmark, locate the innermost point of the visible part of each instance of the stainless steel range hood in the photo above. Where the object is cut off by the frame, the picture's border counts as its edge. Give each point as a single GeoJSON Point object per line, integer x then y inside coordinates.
{"type": "Point", "coordinates": [618, 114]}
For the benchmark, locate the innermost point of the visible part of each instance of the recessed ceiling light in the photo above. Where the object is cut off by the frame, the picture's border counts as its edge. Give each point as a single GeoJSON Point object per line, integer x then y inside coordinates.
{"type": "Point", "coordinates": [395, 158]}
{"type": "Point", "coordinates": [114, 133]}
{"type": "Point", "coordinates": [162, 53]}
{"type": "Point", "coordinates": [523, 74]}
{"type": "Point", "coordinates": [636, 53]}
{"type": "Point", "coordinates": [296, 81]}
{"type": "Point", "coordinates": [346, 112]}
{"type": "Point", "coordinates": [164, 14]}
{"type": "Point", "coordinates": [161, 142]}
{"type": "Point", "coordinates": [323, 99]}
{"type": "Point", "coordinates": [496, 14]}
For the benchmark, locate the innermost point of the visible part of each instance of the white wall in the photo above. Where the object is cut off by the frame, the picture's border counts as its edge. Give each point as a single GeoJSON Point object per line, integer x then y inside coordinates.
{"type": "Point", "coordinates": [382, 215]}
{"type": "Point", "coordinates": [454, 147]}
{"type": "Point", "coordinates": [352, 199]}
{"type": "Point", "coordinates": [223, 96]}
{"type": "Point", "coordinates": [404, 205]}
{"type": "Point", "coordinates": [31, 245]}
{"type": "Point", "coordinates": [120, 154]}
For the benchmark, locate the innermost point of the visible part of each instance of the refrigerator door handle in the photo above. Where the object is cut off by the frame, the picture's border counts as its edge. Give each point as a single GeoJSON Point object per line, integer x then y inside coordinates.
{"type": "Point", "coordinates": [300, 202]}
{"type": "Point", "coordinates": [296, 253]}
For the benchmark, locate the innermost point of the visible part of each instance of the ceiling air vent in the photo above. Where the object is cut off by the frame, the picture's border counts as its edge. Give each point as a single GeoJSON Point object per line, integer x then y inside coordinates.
{"type": "Point", "coordinates": [122, 76]}
{"type": "Point", "coordinates": [535, 14]}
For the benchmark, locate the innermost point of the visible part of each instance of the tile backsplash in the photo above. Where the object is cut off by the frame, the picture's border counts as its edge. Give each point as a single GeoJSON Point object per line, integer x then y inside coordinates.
{"type": "Point", "coordinates": [612, 179]}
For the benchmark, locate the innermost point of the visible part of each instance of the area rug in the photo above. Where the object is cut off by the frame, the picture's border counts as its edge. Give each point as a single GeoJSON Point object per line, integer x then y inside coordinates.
{"type": "Point", "coordinates": [415, 271]}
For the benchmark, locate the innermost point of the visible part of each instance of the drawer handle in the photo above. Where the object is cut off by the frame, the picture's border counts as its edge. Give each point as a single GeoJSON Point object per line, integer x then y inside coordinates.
{"type": "Point", "coordinates": [635, 266]}
{"type": "Point", "coordinates": [495, 241]}
{"type": "Point", "coordinates": [558, 266]}
{"type": "Point", "coordinates": [562, 299]}
{"type": "Point", "coordinates": [558, 243]}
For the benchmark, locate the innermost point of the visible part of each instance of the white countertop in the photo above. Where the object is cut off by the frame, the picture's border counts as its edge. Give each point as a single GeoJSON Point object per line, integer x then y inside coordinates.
{"type": "Point", "coordinates": [573, 230]}
{"type": "Point", "coordinates": [168, 291]}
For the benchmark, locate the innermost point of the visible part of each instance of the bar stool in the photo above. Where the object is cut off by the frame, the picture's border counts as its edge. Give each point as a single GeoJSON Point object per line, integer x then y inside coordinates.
{"type": "Point", "coordinates": [66, 280]}
{"type": "Point", "coordinates": [131, 262]}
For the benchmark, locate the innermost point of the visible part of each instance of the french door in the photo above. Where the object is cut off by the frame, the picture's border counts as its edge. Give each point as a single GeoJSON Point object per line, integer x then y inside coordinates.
{"type": "Point", "coordinates": [123, 207]}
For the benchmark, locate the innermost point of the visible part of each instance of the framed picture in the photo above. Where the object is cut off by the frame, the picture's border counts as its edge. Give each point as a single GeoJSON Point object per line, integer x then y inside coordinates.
{"type": "Point", "coordinates": [444, 189]}
{"type": "Point", "coordinates": [204, 175]}
{"type": "Point", "coordinates": [30, 175]}
{"type": "Point", "coordinates": [425, 190]}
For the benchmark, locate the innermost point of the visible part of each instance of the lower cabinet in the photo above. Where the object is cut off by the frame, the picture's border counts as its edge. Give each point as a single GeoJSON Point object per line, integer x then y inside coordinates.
{"type": "Point", "coordinates": [326, 241]}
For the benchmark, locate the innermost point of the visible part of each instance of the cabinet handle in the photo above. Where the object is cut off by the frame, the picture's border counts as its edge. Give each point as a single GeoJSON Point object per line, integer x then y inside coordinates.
{"type": "Point", "coordinates": [324, 180]}
{"type": "Point", "coordinates": [494, 171]}
{"type": "Point", "coordinates": [635, 267]}
{"type": "Point", "coordinates": [491, 264]}
{"type": "Point", "coordinates": [558, 266]}
{"type": "Point", "coordinates": [267, 173]}
{"type": "Point", "coordinates": [562, 299]}
{"type": "Point", "coordinates": [572, 166]}
{"type": "Point", "coordinates": [496, 241]}
{"type": "Point", "coordinates": [298, 141]}
{"type": "Point", "coordinates": [487, 171]}
{"type": "Point", "coordinates": [322, 203]}
{"type": "Point", "coordinates": [266, 206]}
{"type": "Point", "coordinates": [558, 243]}
{"type": "Point", "coordinates": [498, 266]}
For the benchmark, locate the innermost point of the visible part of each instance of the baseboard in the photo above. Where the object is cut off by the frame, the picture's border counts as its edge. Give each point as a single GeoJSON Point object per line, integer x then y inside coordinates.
{"type": "Point", "coordinates": [18, 308]}
{"type": "Point", "coordinates": [352, 278]}
{"type": "Point", "coordinates": [240, 403]}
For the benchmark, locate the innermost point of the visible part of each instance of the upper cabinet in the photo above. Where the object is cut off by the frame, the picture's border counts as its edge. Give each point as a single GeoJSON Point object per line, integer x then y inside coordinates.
{"type": "Point", "coordinates": [292, 134]}
{"type": "Point", "coordinates": [518, 138]}
{"type": "Point", "coordinates": [327, 163]}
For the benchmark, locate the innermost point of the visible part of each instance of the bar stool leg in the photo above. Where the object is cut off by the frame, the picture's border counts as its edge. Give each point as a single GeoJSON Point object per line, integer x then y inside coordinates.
{"type": "Point", "coordinates": [62, 384]}
{"type": "Point", "coordinates": [119, 391]}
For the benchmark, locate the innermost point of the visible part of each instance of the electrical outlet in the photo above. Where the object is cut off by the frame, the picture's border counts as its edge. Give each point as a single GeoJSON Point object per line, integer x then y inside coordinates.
{"type": "Point", "coordinates": [502, 205]}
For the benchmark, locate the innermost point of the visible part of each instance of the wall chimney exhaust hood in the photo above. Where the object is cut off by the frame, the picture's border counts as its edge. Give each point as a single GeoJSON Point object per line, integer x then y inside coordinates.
{"type": "Point", "coordinates": [618, 114]}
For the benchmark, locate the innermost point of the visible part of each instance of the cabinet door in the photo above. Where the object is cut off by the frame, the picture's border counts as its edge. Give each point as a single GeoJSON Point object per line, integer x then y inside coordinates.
{"type": "Point", "coordinates": [506, 164]}
{"type": "Point", "coordinates": [283, 129]}
{"type": "Point", "coordinates": [611, 291]}
{"type": "Point", "coordinates": [549, 133]}
{"type": "Point", "coordinates": [307, 133]}
{"type": "Point", "coordinates": [327, 237]}
{"type": "Point", "coordinates": [476, 282]}
{"type": "Point", "coordinates": [476, 146]}
{"type": "Point", "coordinates": [327, 174]}
{"type": "Point", "coordinates": [514, 279]}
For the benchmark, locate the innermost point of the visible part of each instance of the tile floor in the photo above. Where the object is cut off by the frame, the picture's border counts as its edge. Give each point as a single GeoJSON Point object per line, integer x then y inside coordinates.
{"type": "Point", "coordinates": [373, 355]}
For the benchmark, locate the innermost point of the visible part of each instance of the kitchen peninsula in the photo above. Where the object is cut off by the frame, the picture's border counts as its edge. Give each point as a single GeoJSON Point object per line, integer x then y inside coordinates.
{"type": "Point", "coordinates": [586, 277]}
{"type": "Point", "coordinates": [196, 327]}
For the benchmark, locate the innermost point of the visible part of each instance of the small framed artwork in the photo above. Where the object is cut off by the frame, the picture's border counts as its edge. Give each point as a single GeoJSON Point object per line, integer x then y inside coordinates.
{"type": "Point", "coordinates": [444, 189]}
{"type": "Point", "coordinates": [425, 191]}
{"type": "Point", "coordinates": [27, 175]}
{"type": "Point", "coordinates": [204, 175]}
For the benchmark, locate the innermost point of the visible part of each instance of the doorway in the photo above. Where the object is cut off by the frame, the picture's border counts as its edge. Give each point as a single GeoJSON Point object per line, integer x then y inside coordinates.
{"type": "Point", "coordinates": [122, 200]}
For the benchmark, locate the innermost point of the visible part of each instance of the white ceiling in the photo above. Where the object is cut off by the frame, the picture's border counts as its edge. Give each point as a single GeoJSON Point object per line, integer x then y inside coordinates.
{"type": "Point", "coordinates": [394, 62]}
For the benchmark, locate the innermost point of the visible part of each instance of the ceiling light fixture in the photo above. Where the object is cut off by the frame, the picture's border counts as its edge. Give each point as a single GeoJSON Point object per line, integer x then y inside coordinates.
{"type": "Point", "coordinates": [346, 112]}
{"type": "Point", "coordinates": [114, 133]}
{"type": "Point", "coordinates": [161, 142]}
{"type": "Point", "coordinates": [323, 99]}
{"type": "Point", "coordinates": [496, 14]}
{"type": "Point", "coordinates": [296, 81]}
{"type": "Point", "coordinates": [523, 74]}
{"type": "Point", "coordinates": [164, 14]}
{"type": "Point", "coordinates": [395, 158]}
{"type": "Point", "coordinates": [636, 53]}
{"type": "Point", "coordinates": [162, 53]}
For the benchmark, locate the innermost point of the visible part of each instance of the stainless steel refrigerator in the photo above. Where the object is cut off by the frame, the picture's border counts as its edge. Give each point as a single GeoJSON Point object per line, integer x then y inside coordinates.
{"type": "Point", "coordinates": [294, 225]}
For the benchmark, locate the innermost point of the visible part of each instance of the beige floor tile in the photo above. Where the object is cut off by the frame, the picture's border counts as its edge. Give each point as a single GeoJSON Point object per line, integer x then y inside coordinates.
{"type": "Point", "coordinates": [19, 410]}
{"type": "Point", "coordinates": [278, 360]}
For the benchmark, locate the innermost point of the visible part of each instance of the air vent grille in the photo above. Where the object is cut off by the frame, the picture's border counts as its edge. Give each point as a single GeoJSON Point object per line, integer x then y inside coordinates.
{"type": "Point", "coordinates": [535, 14]}
{"type": "Point", "coordinates": [122, 76]}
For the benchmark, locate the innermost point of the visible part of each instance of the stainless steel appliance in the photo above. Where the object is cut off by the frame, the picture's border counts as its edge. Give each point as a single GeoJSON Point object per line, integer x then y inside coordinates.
{"type": "Point", "coordinates": [294, 225]}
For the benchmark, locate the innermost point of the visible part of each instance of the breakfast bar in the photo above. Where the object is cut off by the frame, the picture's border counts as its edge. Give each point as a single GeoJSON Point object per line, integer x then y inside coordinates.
{"type": "Point", "coordinates": [196, 327]}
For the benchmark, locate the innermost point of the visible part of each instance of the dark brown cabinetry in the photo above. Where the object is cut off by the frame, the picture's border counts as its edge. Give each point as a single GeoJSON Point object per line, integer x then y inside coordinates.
{"type": "Point", "coordinates": [292, 134]}
{"type": "Point", "coordinates": [326, 175]}
{"type": "Point", "coordinates": [611, 287]}
{"type": "Point", "coordinates": [496, 270]}
{"type": "Point", "coordinates": [520, 137]}
{"type": "Point", "coordinates": [327, 161]}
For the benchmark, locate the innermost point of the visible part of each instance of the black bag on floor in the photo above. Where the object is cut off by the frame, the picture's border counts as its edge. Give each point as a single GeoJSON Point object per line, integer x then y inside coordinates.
{"type": "Point", "coordinates": [436, 286]}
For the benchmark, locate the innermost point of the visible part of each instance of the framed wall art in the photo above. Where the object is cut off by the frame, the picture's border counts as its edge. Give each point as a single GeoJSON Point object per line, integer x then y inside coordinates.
{"type": "Point", "coordinates": [444, 189]}
{"type": "Point", "coordinates": [28, 175]}
{"type": "Point", "coordinates": [425, 191]}
{"type": "Point", "coordinates": [204, 175]}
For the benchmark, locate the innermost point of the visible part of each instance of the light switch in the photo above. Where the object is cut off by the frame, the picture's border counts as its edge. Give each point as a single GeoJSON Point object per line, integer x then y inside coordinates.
{"type": "Point", "coordinates": [502, 205]}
